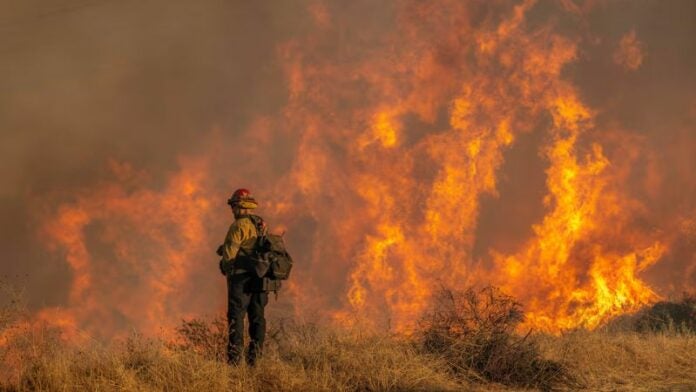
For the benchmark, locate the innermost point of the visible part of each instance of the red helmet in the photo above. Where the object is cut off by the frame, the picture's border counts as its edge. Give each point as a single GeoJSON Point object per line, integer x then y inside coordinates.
{"type": "Point", "coordinates": [242, 197]}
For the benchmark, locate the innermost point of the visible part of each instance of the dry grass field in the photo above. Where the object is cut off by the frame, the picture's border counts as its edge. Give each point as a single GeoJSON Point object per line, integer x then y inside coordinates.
{"type": "Point", "coordinates": [308, 357]}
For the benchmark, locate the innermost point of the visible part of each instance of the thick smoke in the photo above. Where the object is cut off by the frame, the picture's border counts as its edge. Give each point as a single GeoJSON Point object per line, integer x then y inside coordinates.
{"type": "Point", "coordinates": [127, 124]}
{"type": "Point", "coordinates": [88, 82]}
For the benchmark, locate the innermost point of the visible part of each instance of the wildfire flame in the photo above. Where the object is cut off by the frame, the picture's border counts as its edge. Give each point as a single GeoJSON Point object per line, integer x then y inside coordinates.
{"type": "Point", "coordinates": [398, 133]}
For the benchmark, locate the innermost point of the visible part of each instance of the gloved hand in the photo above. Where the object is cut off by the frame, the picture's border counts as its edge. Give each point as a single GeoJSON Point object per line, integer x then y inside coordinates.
{"type": "Point", "coordinates": [223, 270]}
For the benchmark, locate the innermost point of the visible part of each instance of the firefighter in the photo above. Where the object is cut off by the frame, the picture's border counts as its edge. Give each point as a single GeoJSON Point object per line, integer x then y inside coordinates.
{"type": "Point", "coordinates": [243, 288]}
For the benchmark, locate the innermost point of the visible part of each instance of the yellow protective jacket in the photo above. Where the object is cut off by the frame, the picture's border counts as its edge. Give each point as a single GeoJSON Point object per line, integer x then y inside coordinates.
{"type": "Point", "coordinates": [241, 236]}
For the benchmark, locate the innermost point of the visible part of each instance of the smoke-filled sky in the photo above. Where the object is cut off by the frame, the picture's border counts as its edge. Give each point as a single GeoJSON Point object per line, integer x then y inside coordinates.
{"type": "Point", "coordinates": [363, 128]}
{"type": "Point", "coordinates": [85, 82]}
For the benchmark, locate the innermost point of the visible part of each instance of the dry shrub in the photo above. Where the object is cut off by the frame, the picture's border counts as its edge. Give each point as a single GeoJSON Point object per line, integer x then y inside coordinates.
{"type": "Point", "coordinates": [357, 359]}
{"type": "Point", "coordinates": [673, 317]}
{"type": "Point", "coordinates": [207, 338]}
{"type": "Point", "coordinates": [668, 316]}
{"type": "Point", "coordinates": [474, 330]}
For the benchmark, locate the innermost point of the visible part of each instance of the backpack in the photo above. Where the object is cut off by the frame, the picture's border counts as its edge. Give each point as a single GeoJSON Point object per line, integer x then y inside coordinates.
{"type": "Point", "coordinates": [270, 255]}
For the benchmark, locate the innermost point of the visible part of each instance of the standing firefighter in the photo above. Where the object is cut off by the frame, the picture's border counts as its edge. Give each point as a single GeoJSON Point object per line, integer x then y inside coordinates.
{"type": "Point", "coordinates": [246, 291]}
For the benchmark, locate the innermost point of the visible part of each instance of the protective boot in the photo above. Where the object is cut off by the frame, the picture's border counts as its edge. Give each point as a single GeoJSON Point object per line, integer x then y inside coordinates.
{"type": "Point", "coordinates": [234, 355]}
{"type": "Point", "coordinates": [253, 353]}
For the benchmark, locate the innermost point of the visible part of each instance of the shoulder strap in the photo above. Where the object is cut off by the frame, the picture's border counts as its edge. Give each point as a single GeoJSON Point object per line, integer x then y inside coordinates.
{"type": "Point", "coordinates": [259, 224]}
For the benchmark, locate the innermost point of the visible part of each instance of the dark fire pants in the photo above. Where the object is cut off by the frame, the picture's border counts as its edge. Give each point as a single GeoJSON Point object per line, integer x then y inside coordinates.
{"type": "Point", "coordinates": [242, 299]}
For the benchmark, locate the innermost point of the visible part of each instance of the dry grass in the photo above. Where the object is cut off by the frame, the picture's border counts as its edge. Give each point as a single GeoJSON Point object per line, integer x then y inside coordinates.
{"type": "Point", "coordinates": [298, 358]}
{"type": "Point", "coordinates": [308, 357]}
{"type": "Point", "coordinates": [627, 361]}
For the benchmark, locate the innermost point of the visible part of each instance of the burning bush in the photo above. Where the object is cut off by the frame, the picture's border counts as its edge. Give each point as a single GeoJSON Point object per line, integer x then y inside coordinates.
{"type": "Point", "coordinates": [473, 331]}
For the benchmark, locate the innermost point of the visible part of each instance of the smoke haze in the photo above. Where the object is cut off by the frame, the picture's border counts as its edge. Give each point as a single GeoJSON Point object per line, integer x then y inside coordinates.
{"type": "Point", "coordinates": [138, 82]}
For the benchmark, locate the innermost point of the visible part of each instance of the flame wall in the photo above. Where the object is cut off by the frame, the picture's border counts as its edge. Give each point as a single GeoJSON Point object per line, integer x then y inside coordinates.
{"type": "Point", "coordinates": [544, 147]}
